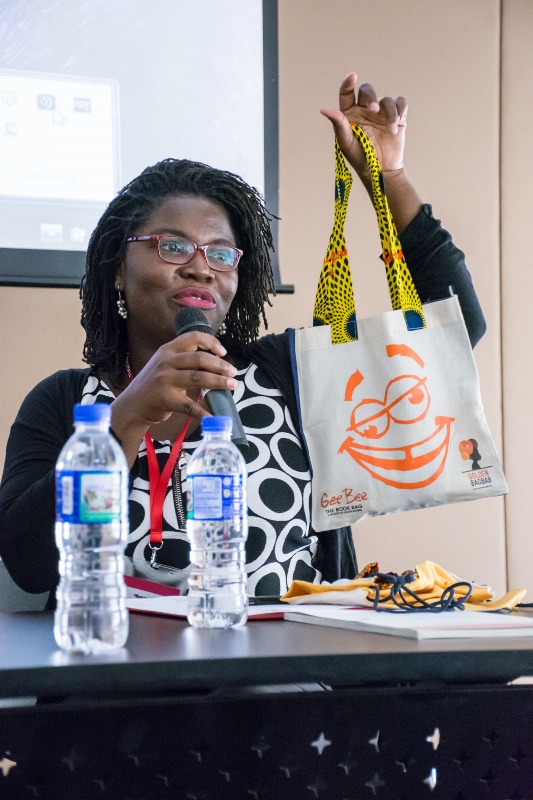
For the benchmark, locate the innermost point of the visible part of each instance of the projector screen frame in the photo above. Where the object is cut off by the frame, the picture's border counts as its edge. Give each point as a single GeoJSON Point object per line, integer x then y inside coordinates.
{"type": "Point", "coordinates": [64, 268]}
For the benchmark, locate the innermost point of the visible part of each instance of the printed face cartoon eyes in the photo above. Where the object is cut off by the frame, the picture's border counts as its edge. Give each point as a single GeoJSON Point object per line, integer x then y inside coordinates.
{"type": "Point", "coordinates": [408, 398]}
{"type": "Point", "coordinates": [406, 401]}
{"type": "Point", "coordinates": [412, 459]}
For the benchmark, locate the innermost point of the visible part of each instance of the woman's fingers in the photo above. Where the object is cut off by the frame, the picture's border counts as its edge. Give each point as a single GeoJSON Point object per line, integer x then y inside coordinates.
{"type": "Point", "coordinates": [401, 105]}
{"type": "Point", "coordinates": [340, 118]}
{"type": "Point", "coordinates": [340, 123]}
{"type": "Point", "coordinates": [190, 408]}
{"type": "Point", "coordinates": [201, 371]}
{"type": "Point", "coordinates": [367, 97]}
{"type": "Point", "coordinates": [361, 109]}
{"type": "Point", "coordinates": [347, 92]}
{"type": "Point", "coordinates": [162, 386]}
{"type": "Point", "coordinates": [195, 340]}
{"type": "Point", "coordinates": [343, 133]}
{"type": "Point", "coordinates": [389, 113]}
{"type": "Point", "coordinates": [196, 379]}
{"type": "Point", "coordinates": [201, 360]}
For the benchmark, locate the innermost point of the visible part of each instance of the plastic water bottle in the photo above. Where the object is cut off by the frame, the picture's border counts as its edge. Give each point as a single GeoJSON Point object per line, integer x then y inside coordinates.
{"type": "Point", "coordinates": [91, 532]}
{"type": "Point", "coordinates": [217, 527]}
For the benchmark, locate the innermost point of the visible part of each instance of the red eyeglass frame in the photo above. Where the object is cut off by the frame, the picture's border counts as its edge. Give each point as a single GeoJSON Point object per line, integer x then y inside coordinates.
{"type": "Point", "coordinates": [203, 247]}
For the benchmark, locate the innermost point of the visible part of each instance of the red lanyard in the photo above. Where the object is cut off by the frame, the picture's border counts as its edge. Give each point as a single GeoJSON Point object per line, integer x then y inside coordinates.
{"type": "Point", "coordinates": [158, 481]}
{"type": "Point", "coordinates": [158, 487]}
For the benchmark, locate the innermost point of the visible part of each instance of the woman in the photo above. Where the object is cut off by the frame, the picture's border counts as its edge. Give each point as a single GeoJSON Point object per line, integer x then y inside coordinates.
{"type": "Point", "coordinates": [184, 234]}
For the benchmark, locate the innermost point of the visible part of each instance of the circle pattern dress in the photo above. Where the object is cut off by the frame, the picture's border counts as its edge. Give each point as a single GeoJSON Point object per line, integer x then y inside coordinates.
{"type": "Point", "coordinates": [279, 548]}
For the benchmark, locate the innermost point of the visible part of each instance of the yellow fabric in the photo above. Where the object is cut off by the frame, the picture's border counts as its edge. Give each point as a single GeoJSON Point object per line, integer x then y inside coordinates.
{"type": "Point", "coordinates": [402, 290]}
{"type": "Point", "coordinates": [334, 302]}
{"type": "Point", "coordinates": [430, 582]}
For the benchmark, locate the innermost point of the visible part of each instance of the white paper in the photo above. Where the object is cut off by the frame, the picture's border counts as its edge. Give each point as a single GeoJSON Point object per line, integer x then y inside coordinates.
{"type": "Point", "coordinates": [177, 607]}
{"type": "Point", "coordinates": [418, 625]}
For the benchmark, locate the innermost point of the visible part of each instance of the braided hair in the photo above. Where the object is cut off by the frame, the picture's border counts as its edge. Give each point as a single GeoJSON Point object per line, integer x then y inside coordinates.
{"type": "Point", "coordinates": [106, 343]}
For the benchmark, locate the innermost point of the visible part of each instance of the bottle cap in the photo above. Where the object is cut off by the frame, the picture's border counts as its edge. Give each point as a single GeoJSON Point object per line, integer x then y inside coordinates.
{"type": "Point", "coordinates": [217, 424]}
{"type": "Point", "coordinates": [97, 412]}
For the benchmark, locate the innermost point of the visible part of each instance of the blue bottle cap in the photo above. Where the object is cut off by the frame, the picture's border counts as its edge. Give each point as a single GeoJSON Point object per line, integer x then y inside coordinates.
{"type": "Point", "coordinates": [217, 424]}
{"type": "Point", "coordinates": [97, 412]}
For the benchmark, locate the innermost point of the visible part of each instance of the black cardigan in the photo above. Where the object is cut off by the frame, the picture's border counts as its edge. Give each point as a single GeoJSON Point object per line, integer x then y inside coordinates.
{"type": "Point", "coordinates": [44, 423]}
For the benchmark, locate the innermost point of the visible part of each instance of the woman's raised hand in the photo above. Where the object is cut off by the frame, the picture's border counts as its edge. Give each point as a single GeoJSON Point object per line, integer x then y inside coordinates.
{"type": "Point", "coordinates": [176, 373]}
{"type": "Point", "coordinates": [170, 383]}
{"type": "Point", "coordinates": [383, 120]}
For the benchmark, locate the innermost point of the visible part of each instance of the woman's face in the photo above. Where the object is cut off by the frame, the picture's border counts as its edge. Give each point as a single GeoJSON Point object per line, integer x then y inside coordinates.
{"type": "Point", "coordinates": [155, 290]}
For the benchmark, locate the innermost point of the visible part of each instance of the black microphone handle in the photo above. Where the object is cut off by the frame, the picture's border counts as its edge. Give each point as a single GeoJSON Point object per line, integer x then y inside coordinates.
{"type": "Point", "coordinates": [219, 401]}
{"type": "Point", "coordinates": [220, 404]}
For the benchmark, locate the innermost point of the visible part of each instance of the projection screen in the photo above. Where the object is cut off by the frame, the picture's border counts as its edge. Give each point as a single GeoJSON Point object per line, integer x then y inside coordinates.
{"type": "Point", "coordinates": [93, 92]}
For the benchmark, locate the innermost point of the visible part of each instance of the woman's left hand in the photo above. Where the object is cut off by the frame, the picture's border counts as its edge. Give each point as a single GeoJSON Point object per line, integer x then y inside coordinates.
{"type": "Point", "coordinates": [383, 120]}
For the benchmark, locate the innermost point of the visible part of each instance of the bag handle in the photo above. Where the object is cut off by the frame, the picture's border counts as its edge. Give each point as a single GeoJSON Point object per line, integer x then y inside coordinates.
{"type": "Point", "coordinates": [334, 302]}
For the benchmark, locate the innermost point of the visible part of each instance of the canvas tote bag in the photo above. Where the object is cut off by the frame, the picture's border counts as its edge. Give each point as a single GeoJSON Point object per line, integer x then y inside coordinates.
{"type": "Point", "coordinates": [390, 406]}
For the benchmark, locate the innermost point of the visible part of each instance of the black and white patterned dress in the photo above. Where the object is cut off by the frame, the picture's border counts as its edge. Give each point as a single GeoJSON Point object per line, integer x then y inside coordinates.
{"type": "Point", "coordinates": [279, 548]}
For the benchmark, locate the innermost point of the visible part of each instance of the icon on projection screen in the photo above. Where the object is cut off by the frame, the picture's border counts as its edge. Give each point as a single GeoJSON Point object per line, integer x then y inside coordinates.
{"type": "Point", "coordinates": [51, 233]}
{"type": "Point", "coordinates": [62, 139]}
{"type": "Point", "coordinates": [82, 104]}
{"type": "Point", "coordinates": [46, 102]}
{"type": "Point", "coordinates": [8, 98]}
{"type": "Point", "coordinates": [77, 235]}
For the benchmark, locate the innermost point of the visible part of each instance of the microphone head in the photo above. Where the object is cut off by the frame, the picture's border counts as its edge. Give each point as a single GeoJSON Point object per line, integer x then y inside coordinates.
{"type": "Point", "coordinates": [191, 318]}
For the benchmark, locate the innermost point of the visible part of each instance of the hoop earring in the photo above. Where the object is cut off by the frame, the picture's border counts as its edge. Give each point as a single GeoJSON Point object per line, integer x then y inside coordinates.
{"type": "Point", "coordinates": [121, 303]}
{"type": "Point", "coordinates": [222, 330]}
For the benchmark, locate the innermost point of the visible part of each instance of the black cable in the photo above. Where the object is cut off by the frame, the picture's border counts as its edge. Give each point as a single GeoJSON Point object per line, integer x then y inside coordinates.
{"type": "Point", "coordinates": [398, 584]}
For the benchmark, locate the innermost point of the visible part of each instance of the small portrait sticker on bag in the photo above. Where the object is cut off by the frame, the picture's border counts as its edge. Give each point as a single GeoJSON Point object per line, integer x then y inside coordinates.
{"type": "Point", "coordinates": [478, 474]}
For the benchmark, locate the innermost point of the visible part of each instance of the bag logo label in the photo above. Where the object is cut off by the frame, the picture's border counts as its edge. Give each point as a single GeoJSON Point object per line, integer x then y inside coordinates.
{"type": "Point", "coordinates": [406, 401]}
{"type": "Point", "coordinates": [346, 501]}
{"type": "Point", "coordinates": [478, 476]}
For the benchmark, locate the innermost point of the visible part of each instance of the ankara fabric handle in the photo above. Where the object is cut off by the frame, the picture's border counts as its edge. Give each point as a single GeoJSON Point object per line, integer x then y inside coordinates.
{"type": "Point", "coordinates": [334, 303]}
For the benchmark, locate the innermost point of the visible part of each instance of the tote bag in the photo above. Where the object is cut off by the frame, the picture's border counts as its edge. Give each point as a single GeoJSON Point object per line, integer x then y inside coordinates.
{"type": "Point", "coordinates": [390, 405]}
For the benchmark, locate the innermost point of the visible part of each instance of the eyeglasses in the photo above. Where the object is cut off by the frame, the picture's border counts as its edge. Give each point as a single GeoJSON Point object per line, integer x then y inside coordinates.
{"type": "Point", "coordinates": [177, 250]}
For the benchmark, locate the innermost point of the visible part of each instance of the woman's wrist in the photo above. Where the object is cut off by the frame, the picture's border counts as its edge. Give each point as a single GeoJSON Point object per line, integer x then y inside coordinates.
{"type": "Point", "coordinates": [128, 427]}
{"type": "Point", "coordinates": [393, 173]}
{"type": "Point", "coordinates": [403, 199]}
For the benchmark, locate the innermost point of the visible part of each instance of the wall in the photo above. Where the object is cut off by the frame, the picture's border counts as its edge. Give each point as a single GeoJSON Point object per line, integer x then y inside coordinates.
{"type": "Point", "coordinates": [517, 281]}
{"type": "Point", "coordinates": [40, 333]}
{"type": "Point", "coordinates": [445, 58]}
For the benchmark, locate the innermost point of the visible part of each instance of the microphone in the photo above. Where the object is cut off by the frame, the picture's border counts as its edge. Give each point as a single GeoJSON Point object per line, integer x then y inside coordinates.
{"type": "Point", "coordinates": [219, 401]}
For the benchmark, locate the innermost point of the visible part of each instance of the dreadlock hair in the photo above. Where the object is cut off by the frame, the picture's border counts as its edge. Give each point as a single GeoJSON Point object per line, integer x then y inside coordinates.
{"type": "Point", "coordinates": [106, 343]}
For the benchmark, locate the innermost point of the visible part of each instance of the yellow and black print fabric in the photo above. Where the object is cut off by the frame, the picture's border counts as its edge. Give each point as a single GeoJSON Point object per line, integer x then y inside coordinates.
{"type": "Point", "coordinates": [334, 303]}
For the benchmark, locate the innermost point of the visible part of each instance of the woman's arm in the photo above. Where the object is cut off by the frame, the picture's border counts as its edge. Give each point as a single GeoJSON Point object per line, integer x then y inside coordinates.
{"type": "Point", "coordinates": [439, 270]}
{"type": "Point", "coordinates": [27, 492]}
{"type": "Point", "coordinates": [436, 264]}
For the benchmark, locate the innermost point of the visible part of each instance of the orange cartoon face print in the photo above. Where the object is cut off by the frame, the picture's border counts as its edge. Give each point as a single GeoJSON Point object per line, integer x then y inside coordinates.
{"type": "Point", "coordinates": [374, 421]}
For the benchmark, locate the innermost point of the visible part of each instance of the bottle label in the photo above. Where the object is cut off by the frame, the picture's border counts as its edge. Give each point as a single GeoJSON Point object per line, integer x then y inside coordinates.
{"type": "Point", "coordinates": [88, 496]}
{"type": "Point", "coordinates": [216, 497]}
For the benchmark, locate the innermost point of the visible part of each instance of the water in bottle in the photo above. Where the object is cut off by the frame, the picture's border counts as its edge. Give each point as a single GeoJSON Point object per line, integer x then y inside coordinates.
{"type": "Point", "coordinates": [91, 531]}
{"type": "Point", "coordinates": [217, 527]}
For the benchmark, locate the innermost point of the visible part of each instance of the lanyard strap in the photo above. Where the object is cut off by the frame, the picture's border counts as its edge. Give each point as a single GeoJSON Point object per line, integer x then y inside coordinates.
{"type": "Point", "coordinates": [158, 481]}
{"type": "Point", "coordinates": [158, 484]}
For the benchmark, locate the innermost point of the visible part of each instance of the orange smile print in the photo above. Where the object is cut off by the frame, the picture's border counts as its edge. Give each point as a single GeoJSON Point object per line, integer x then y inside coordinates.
{"type": "Point", "coordinates": [406, 401]}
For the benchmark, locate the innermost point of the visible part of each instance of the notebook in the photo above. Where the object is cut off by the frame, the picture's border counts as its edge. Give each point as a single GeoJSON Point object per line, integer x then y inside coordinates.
{"type": "Point", "coordinates": [418, 625]}
{"type": "Point", "coordinates": [175, 606]}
